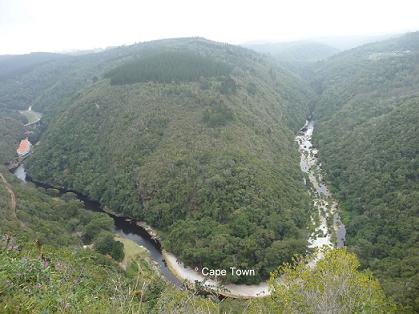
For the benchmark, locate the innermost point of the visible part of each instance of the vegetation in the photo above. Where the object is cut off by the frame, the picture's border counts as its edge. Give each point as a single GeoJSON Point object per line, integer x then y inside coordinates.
{"type": "Point", "coordinates": [181, 153]}
{"type": "Point", "coordinates": [107, 245]}
{"type": "Point", "coordinates": [43, 267]}
{"type": "Point", "coordinates": [31, 116]}
{"type": "Point", "coordinates": [334, 285]}
{"type": "Point", "coordinates": [217, 115]}
{"type": "Point", "coordinates": [11, 131]}
{"type": "Point", "coordinates": [14, 65]}
{"type": "Point", "coordinates": [166, 67]}
{"type": "Point", "coordinates": [39, 278]}
{"type": "Point", "coordinates": [299, 57]}
{"type": "Point", "coordinates": [76, 280]}
{"type": "Point", "coordinates": [51, 220]}
{"type": "Point", "coordinates": [206, 155]}
{"type": "Point", "coordinates": [366, 131]}
{"type": "Point", "coordinates": [296, 52]}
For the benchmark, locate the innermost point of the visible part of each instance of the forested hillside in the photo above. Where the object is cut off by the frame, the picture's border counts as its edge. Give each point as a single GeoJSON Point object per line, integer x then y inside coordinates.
{"type": "Point", "coordinates": [367, 122]}
{"type": "Point", "coordinates": [203, 153]}
{"type": "Point", "coordinates": [11, 131]}
{"type": "Point", "coordinates": [44, 268]}
{"type": "Point", "coordinates": [11, 65]}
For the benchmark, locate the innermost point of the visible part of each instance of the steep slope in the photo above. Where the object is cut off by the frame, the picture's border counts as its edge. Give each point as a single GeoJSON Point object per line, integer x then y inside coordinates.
{"type": "Point", "coordinates": [12, 65]}
{"type": "Point", "coordinates": [11, 131]}
{"type": "Point", "coordinates": [43, 266]}
{"type": "Point", "coordinates": [48, 81]}
{"type": "Point", "coordinates": [367, 133]}
{"type": "Point", "coordinates": [205, 156]}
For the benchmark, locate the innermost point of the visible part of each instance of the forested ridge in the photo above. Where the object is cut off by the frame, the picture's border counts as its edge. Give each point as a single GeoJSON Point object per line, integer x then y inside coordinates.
{"type": "Point", "coordinates": [367, 120]}
{"type": "Point", "coordinates": [204, 154]}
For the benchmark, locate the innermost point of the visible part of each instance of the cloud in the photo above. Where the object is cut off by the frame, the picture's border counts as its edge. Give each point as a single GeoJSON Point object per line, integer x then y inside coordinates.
{"type": "Point", "coordinates": [54, 25]}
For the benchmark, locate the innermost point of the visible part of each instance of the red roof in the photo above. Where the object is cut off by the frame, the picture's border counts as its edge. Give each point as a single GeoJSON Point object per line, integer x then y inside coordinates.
{"type": "Point", "coordinates": [24, 147]}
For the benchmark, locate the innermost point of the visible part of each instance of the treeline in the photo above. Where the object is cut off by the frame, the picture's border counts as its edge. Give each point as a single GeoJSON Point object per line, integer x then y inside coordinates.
{"type": "Point", "coordinates": [166, 67]}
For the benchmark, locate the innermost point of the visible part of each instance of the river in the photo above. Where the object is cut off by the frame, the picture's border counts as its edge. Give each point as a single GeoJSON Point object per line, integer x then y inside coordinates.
{"type": "Point", "coordinates": [323, 201]}
{"type": "Point", "coordinates": [175, 272]}
{"type": "Point", "coordinates": [125, 227]}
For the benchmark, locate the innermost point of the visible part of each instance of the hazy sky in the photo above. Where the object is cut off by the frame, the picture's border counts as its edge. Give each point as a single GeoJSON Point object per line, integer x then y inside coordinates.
{"type": "Point", "coordinates": [55, 25]}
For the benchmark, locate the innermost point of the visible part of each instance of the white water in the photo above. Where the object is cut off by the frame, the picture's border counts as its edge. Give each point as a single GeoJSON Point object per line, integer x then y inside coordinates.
{"type": "Point", "coordinates": [327, 207]}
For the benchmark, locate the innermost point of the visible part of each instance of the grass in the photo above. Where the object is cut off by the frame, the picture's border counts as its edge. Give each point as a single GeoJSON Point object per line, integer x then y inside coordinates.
{"type": "Point", "coordinates": [31, 116]}
{"type": "Point", "coordinates": [132, 251]}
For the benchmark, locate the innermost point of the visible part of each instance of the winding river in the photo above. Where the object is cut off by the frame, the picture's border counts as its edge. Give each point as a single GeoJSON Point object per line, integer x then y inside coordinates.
{"type": "Point", "coordinates": [175, 272]}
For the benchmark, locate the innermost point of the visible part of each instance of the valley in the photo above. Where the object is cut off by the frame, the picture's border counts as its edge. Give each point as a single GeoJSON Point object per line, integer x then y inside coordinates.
{"type": "Point", "coordinates": [328, 231]}
{"type": "Point", "coordinates": [204, 175]}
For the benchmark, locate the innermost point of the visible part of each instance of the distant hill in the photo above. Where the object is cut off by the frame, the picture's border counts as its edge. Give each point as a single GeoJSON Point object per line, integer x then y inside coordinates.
{"type": "Point", "coordinates": [367, 131]}
{"type": "Point", "coordinates": [196, 138]}
{"type": "Point", "coordinates": [353, 41]}
{"type": "Point", "coordinates": [299, 51]}
{"type": "Point", "coordinates": [298, 57]}
{"type": "Point", "coordinates": [12, 65]}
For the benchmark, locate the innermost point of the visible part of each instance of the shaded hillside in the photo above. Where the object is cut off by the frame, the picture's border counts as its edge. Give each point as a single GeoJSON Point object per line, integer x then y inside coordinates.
{"type": "Point", "coordinates": [295, 52]}
{"type": "Point", "coordinates": [210, 162]}
{"type": "Point", "coordinates": [11, 131]}
{"type": "Point", "coordinates": [367, 133]}
{"type": "Point", "coordinates": [298, 57]}
{"type": "Point", "coordinates": [13, 65]}
{"type": "Point", "coordinates": [49, 85]}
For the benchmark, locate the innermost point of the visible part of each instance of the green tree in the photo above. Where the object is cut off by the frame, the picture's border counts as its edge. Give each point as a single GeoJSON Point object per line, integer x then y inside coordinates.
{"type": "Point", "coordinates": [334, 285]}
{"type": "Point", "coordinates": [106, 244]}
{"type": "Point", "coordinates": [97, 224]}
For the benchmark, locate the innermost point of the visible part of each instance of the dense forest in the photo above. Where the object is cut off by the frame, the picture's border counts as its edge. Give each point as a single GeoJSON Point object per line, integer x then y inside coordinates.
{"type": "Point", "coordinates": [209, 161]}
{"type": "Point", "coordinates": [166, 67]}
{"type": "Point", "coordinates": [367, 134]}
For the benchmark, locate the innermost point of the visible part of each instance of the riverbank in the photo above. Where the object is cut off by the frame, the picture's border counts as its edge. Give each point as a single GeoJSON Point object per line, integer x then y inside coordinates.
{"type": "Point", "coordinates": [329, 229]}
{"type": "Point", "coordinates": [229, 290]}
